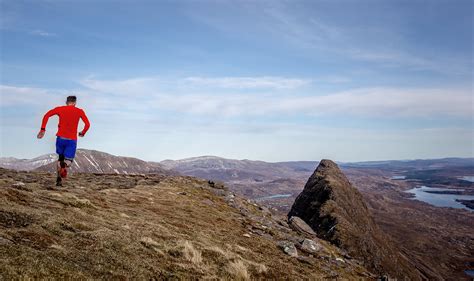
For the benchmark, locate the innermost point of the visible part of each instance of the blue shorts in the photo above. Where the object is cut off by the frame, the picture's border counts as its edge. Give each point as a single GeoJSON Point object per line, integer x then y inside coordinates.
{"type": "Point", "coordinates": [66, 147]}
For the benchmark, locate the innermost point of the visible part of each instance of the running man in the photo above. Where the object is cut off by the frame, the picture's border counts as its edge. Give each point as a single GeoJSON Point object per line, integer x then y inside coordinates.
{"type": "Point", "coordinates": [66, 141]}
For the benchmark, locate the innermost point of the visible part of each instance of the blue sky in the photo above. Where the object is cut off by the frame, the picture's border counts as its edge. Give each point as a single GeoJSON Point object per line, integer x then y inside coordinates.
{"type": "Point", "coordinates": [267, 80]}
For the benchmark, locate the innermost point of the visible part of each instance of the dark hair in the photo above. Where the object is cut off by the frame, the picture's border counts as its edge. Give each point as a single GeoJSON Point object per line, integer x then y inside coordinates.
{"type": "Point", "coordinates": [71, 99]}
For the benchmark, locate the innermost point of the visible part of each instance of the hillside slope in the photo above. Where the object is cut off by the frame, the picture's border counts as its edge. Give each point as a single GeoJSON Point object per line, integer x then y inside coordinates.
{"type": "Point", "coordinates": [252, 179]}
{"type": "Point", "coordinates": [149, 226]}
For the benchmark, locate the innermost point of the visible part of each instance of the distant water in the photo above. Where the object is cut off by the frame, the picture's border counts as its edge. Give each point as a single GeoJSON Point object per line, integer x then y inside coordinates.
{"type": "Point", "coordinates": [398, 177]}
{"type": "Point", "coordinates": [469, 272]}
{"type": "Point", "coordinates": [440, 200]}
{"type": "Point", "coordinates": [275, 196]}
{"type": "Point", "coordinates": [468, 178]}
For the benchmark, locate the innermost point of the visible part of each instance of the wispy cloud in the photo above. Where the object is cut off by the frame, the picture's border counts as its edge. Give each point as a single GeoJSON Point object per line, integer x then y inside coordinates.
{"type": "Point", "coordinates": [304, 32]}
{"type": "Point", "coordinates": [378, 46]}
{"type": "Point", "coordinates": [393, 58]}
{"type": "Point", "coordinates": [42, 33]}
{"type": "Point", "coordinates": [368, 102]}
{"type": "Point", "coordinates": [267, 82]}
{"type": "Point", "coordinates": [131, 87]}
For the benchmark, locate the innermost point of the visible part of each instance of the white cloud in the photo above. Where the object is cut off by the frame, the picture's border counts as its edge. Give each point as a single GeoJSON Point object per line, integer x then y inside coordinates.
{"type": "Point", "coordinates": [145, 95]}
{"type": "Point", "coordinates": [168, 121]}
{"type": "Point", "coordinates": [370, 102]}
{"type": "Point", "coordinates": [13, 95]}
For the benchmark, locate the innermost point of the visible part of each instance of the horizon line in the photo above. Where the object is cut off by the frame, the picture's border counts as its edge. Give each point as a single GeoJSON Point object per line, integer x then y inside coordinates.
{"type": "Point", "coordinates": [245, 159]}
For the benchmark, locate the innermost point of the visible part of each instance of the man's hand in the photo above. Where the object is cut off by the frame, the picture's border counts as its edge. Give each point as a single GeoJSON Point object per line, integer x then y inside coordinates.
{"type": "Point", "coordinates": [41, 134]}
{"type": "Point", "coordinates": [81, 134]}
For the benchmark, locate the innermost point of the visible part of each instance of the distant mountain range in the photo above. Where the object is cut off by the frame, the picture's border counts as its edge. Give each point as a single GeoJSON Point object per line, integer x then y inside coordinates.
{"type": "Point", "coordinates": [212, 167]}
{"type": "Point", "coordinates": [253, 179]}
{"type": "Point", "coordinates": [238, 170]}
{"type": "Point", "coordinates": [27, 164]}
{"type": "Point", "coordinates": [414, 164]}
{"type": "Point", "coordinates": [88, 161]}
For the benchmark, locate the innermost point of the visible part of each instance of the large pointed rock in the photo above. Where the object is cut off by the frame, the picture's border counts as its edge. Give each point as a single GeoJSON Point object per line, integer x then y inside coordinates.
{"type": "Point", "coordinates": [336, 211]}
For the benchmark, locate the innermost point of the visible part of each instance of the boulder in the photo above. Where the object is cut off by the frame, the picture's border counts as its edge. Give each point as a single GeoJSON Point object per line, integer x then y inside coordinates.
{"type": "Point", "coordinates": [310, 246]}
{"type": "Point", "coordinates": [306, 260]}
{"type": "Point", "coordinates": [300, 226]}
{"type": "Point", "coordinates": [289, 248]}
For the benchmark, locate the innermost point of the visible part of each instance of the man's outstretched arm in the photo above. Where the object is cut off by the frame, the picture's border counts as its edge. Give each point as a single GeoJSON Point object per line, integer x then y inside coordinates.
{"type": "Point", "coordinates": [45, 121]}
{"type": "Point", "coordinates": [87, 124]}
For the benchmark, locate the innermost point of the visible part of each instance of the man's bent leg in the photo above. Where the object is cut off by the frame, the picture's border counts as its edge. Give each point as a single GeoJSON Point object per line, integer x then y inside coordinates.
{"type": "Point", "coordinates": [67, 164]}
{"type": "Point", "coordinates": [62, 172]}
{"type": "Point", "coordinates": [58, 168]}
{"type": "Point", "coordinates": [61, 161]}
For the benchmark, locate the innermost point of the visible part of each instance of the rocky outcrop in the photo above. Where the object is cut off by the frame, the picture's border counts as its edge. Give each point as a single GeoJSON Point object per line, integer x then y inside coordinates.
{"type": "Point", "coordinates": [336, 211]}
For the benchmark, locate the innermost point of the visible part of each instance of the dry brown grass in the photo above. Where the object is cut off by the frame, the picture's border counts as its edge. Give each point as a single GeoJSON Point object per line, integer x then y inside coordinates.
{"type": "Point", "coordinates": [111, 227]}
{"type": "Point", "coordinates": [191, 254]}
{"type": "Point", "coordinates": [238, 270]}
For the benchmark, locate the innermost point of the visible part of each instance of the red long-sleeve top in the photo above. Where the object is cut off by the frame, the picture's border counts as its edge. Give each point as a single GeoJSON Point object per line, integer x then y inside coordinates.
{"type": "Point", "coordinates": [69, 116]}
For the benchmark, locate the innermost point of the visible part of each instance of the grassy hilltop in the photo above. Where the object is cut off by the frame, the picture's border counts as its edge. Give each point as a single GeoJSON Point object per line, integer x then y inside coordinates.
{"type": "Point", "coordinates": [148, 226]}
